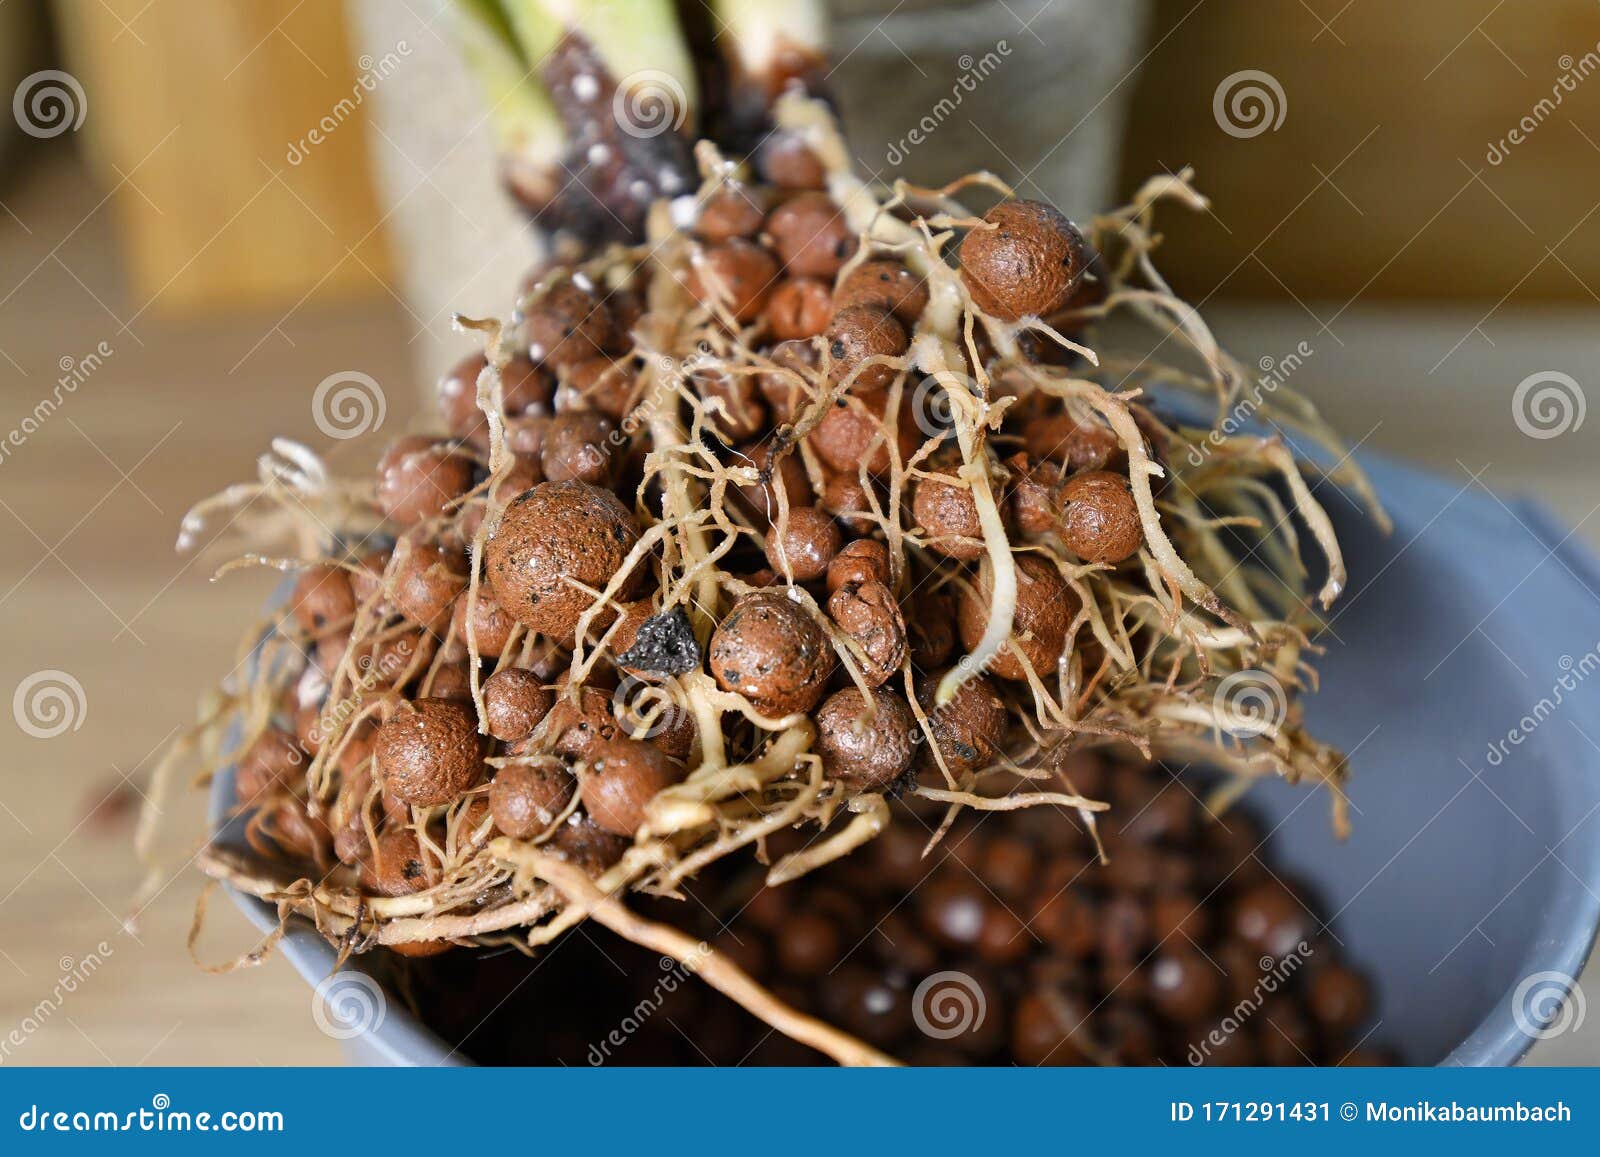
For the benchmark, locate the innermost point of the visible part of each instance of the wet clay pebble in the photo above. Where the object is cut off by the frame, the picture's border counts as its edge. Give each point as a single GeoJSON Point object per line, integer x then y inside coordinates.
{"type": "Point", "coordinates": [737, 275]}
{"type": "Point", "coordinates": [853, 432]}
{"type": "Point", "coordinates": [395, 867]}
{"type": "Point", "coordinates": [868, 614]}
{"type": "Point", "coordinates": [886, 285]}
{"type": "Point", "coordinates": [859, 333]}
{"type": "Point", "coordinates": [734, 210]}
{"type": "Point", "coordinates": [429, 752]}
{"type": "Point", "coordinates": [1085, 445]}
{"type": "Point", "coordinates": [648, 643]}
{"type": "Point", "coordinates": [1024, 261]}
{"type": "Point", "coordinates": [804, 544]}
{"type": "Point", "coordinates": [525, 799]}
{"type": "Point", "coordinates": [490, 626]}
{"type": "Point", "coordinates": [578, 447]}
{"type": "Point", "coordinates": [863, 561]}
{"type": "Point", "coordinates": [582, 842]}
{"type": "Point", "coordinates": [556, 532]}
{"type": "Point", "coordinates": [449, 681]}
{"type": "Point", "coordinates": [323, 597]}
{"type": "Point", "coordinates": [273, 763]}
{"type": "Point", "coordinates": [800, 307]}
{"type": "Point", "coordinates": [567, 324]}
{"type": "Point", "coordinates": [948, 516]}
{"type": "Point", "coordinates": [1034, 502]}
{"type": "Point", "coordinates": [810, 235]}
{"type": "Point", "coordinates": [604, 385]}
{"type": "Point", "coordinates": [970, 728]}
{"type": "Point", "coordinates": [424, 582]}
{"type": "Point", "coordinates": [952, 908]}
{"type": "Point", "coordinates": [625, 775]}
{"type": "Point", "coordinates": [576, 726]}
{"type": "Point", "coordinates": [865, 749]}
{"type": "Point", "coordinates": [769, 650]}
{"type": "Point", "coordinates": [844, 497]}
{"type": "Point", "coordinates": [1099, 520]}
{"type": "Point", "coordinates": [785, 160]}
{"type": "Point", "coordinates": [514, 703]}
{"type": "Point", "coordinates": [808, 944]}
{"type": "Point", "coordinates": [1043, 1031]}
{"type": "Point", "coordinates": [1046, 606]}
{"type": "Point", "coordinates": [1338, 997]}
{"type": "Point", "coordinates": [930, 626]}
{"type": "Point", "coordinates": [525, 389]}
{"type": "Point", "coordinates": [419, 479]}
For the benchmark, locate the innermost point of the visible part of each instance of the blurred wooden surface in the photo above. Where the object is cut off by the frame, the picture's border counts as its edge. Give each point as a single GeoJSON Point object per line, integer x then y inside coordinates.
{"type": "Point", "coordinates": [198, 106]}
{"type": "Point", "coordinates": [1378, 181]}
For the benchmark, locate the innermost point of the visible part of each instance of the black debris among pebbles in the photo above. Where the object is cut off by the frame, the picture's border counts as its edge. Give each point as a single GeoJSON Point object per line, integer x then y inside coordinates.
{"type": "Point", "coordinates": [665, 645]}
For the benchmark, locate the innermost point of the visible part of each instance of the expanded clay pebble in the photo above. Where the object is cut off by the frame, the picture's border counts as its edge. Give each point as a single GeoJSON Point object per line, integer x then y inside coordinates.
{"type": "Point", "coordinates": [769, 650]}
{"type": "Point", "coordinates": [805, 545]}
{"type": "Point", "coordinates": [274, 762]}
{"type": "Point", "coordinates": [734, 210]}
{"type": "Point", "coordinates": [429, 752]}
{"type": "Point", "coordinates": [566, 325]}
{"type": "Point", "coordinates": [858, 333]}
{"type": "Point", "coordinates": [554, 535]}
{"type": "Point", "coordinates": [736, 274]}
{"type": "Point", "coordinates": [625, 775]}
{"type": "Point", "coordinates": [970, 729]}
{"type": "Point", "coordinates": [514, 703]}
{"type": "Point", "coordinates": [884, 284]}
{"type": "Point", "coordinates": [863, 561]}
{"type": "Point", "coordinates": [484, 620]}
{"type": "Point", "coordinates": [419, 479]}
{"type": "Point", "coordinates": [322, 598]}
{"type": "Point", "coordinates": [810, 235]}
{"type": "Point", "coordinates": [1099, 520]}
{"type": "Point", "coordinates": [868, 613]}
{"type": "Point", "coordinates": [948, 517]}
{"type": "Point", "coordinates": [525, 799]}
{"type": "Point", "coordinates": [526, 389]}
{"type": "Point", "coordinates": [1025, 260]}
{"type": "Point", "coordinates": [1046, 606]}
{"type": "Point", "coordinates": [868, 747]}
{"type": "Point", "coordinates": [424, 582]}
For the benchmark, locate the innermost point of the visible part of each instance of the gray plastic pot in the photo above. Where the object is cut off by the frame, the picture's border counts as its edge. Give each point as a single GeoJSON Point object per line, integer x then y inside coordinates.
{"type": "Point", "coordinates": [1469, 888]}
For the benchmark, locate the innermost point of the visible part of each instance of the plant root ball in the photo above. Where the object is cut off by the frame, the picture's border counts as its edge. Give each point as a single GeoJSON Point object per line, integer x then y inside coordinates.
{"type": "Point", "coordinates": [807, 543]}
{"type": "Point", "coordinates": [323, 597]}
{"type": "Point", "coordinates": [948, 515]}
{"type": "Point", "coordinates": [429, 752]}
{"type": "Point", "coordinates": [419, 479]}
{"type": "Point", "coordinates": [736, 274]}
{"type": "Point", "coordinates": [970, 728]}
{"type": "Point", "coordinates": [811, 235]}
{"type": "Point", "coordinates": [1099, 519]}
{"type": "Point", "coordinates": [526, 799]}
{"type": "Point", "coordinates": [859, 332]}
{"type": "Point", "coordinates": [1024, 263]}
{"type": "Point", "coordinates": [769, 650]}
{"type": "Point", "coordinates": [624, 776]}
{"type": "Point", "coordinates": [567, 324]}
{"type": "Point", "coordinates": [867, 612]}
{"type": "Point", "coordinates": [514, 703]}
{"type": "Point", "coordinates": [273, 763]}
{"type": "Point", "coordinates": [887, 285]}
{"type": "Point", "coordinates": [1046, 606]}
{"type": "Point", "coordinates": [862, 749]}
{"type": "Point", "coordinates": [556, 532]}
{"type": "Point", "coordinates": [424, 582]}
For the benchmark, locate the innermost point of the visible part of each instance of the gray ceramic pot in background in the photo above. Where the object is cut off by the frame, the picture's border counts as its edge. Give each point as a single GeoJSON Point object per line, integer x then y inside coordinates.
{"type": "Point", "coordinates": [1470, 889]}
